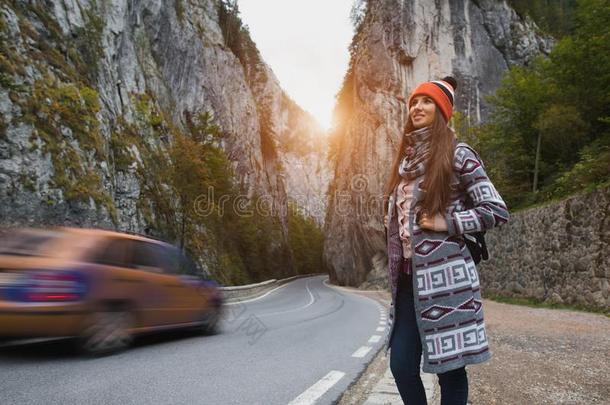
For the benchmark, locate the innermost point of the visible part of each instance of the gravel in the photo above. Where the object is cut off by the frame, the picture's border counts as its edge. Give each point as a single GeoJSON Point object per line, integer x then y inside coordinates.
{"type": "Point", "coordinates": [539, 356]}
{"type": "Point", "coordinates": [543, 356]}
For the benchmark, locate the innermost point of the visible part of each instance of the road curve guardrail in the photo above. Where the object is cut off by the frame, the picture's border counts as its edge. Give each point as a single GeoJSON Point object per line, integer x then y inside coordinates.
{"type": "Point", "coordinates": [244, 292]}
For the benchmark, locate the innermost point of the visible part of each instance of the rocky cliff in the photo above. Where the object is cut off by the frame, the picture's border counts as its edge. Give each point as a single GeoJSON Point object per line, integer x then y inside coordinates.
{"type": "Point", "coordinates": [88, 87]}
{"type": "Point", "coordinates": [399, 44]}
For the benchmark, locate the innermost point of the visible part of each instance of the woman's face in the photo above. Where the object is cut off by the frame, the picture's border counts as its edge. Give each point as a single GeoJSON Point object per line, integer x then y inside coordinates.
{"type": "Point", "coordinates": [422, 111]}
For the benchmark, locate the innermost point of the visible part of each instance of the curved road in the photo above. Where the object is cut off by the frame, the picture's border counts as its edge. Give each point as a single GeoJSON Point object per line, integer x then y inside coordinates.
{"type": "Point", "coordinates": [303, 343]}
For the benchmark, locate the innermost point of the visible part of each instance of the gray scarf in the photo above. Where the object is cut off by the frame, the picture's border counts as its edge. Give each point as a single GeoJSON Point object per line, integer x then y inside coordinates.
{"type": "Point", "coordinates": [413, 164]}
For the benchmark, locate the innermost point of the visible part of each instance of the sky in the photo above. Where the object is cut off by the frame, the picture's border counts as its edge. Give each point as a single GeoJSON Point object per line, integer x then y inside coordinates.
{"type": "Point", "coordinates": [305, 42]}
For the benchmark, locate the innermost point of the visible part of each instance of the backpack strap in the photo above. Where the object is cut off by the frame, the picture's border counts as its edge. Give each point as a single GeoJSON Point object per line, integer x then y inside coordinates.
{"type": "Point", "coordinates": [481, 241]}
{"type": "Point", "coordinates": [479, 237]}
{"type": "Point", "coordinates": [465, 145]}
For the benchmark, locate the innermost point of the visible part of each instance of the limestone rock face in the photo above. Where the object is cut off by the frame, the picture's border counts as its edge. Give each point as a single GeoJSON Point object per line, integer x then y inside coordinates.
{"type": "Point", "coordinates": [400, 44]}
{"type": "Point", "coordinates": [300, 142]}
{"type": "Point", "coordinates": [306, 168]}
{"type": "Point", "coordinates": [172, 52]}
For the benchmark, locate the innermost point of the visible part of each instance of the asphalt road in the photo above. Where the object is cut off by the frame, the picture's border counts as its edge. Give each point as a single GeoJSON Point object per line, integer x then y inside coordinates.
{"type": "Point", "coordinates": [294, 345]}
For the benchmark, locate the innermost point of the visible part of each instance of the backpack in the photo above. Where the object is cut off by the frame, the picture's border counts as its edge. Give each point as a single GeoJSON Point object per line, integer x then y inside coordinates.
{"type": "Point", "coordinates": [477, 246]}
{"type": "Point", "coordinates": [475, 241]}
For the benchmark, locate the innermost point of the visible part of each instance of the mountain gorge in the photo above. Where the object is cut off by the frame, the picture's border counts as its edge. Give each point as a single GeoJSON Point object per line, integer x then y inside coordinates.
{"type": "Point", "coordinates": [125, 114]}
{"type": "Point", "coordinates": [162, 118]}
{"type": "Point", "coordinates": [398, 44]}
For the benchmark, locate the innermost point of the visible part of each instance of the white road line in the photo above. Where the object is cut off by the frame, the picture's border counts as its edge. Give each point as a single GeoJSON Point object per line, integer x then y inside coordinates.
{"type": "Point", "coordinates": [374, 339]}
{"type": "Point", "coordinates": [363, 351]}
{"type": "Point", "coordinates": [311, 395]}
{"type": "Point", "coordinates": [311, 300]}
{"type": "Point", "coordinates": [380, 329]}
{"type": "Point", "coordinates": [383, 323]}
{"type": "Point", "coordinates": [257, 298]}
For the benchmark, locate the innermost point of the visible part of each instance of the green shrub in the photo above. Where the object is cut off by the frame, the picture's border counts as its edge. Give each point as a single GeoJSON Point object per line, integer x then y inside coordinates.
{"type": "Point", "coordinates": [551, 107]}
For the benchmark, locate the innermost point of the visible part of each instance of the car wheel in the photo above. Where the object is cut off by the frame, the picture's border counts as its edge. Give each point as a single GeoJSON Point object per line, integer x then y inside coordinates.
{"type": "Point", "coordinates": [106, 332]}
{"type": "Point", "coordinates": [210, 321]}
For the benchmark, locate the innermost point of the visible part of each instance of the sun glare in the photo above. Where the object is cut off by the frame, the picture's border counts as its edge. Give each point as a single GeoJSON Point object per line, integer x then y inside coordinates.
{"type": "Point", "coordinates": [309, 59]}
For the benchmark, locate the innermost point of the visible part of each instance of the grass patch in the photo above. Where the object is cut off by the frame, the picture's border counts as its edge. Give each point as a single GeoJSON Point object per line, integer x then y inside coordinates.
{"type": "Point", "coordinates": [72, 106]}
{"type": "Point", "coordinates": [179, 11]}
{"type": "Point", "coordinates": [3, 128]}
{"type": "Point", "coordinates": [535, 303]}
{"type": "Point", "coordinates": [87, 50]}
{"type": "Point", "coordinates": [558, 199]}
{"type": "Point", "coordinates": [28, 181]}
{"type": "Point", "coordinates": [52, 109]}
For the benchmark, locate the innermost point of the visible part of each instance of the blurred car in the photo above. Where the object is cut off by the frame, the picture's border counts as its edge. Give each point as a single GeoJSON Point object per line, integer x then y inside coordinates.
{"type": "Point", "coordinates": [101, 287]}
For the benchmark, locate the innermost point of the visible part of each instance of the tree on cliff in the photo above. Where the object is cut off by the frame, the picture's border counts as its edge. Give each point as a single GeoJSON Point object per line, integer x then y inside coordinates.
{"type": "Point", "coordinates": [549, 132]}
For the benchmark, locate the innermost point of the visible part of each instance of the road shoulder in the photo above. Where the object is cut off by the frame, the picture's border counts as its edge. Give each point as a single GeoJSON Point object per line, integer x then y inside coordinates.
{"type": "Point", "coordinates": [376, 384]}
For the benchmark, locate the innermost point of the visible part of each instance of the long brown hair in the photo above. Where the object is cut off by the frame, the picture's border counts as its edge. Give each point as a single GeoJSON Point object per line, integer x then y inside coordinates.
{"type": "Point", "coordinates": [437, 179]}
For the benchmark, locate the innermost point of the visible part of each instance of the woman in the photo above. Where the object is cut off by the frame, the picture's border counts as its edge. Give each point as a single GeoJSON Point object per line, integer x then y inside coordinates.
{"type": "Point", "coordinates": [437, 191]}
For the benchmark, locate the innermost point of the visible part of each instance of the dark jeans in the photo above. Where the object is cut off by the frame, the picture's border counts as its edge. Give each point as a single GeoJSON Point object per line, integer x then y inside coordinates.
{"type": "Point", "coordinates": [405, 356]}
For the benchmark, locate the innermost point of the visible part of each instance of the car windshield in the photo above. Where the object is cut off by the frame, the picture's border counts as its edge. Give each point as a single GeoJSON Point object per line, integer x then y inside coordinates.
{"type": "Point", "coordinates": [34, 242]}
{"type": "Point", "coordinates": [27, 242]}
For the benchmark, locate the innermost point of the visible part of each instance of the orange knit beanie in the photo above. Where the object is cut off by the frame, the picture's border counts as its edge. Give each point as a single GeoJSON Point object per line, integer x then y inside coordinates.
{"type": "Point", "coordinates": [441, 91]}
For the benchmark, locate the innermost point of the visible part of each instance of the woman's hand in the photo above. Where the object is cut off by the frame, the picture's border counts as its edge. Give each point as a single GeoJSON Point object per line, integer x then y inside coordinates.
{"type": "Point", "coordinates": [385, 221]}
{"type": "Point", "coordinates": [435, 223]}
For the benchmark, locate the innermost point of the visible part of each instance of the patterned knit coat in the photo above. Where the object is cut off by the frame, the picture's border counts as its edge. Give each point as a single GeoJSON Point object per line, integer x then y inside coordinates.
{"type": "Point", "coordinates": [446, 290]}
